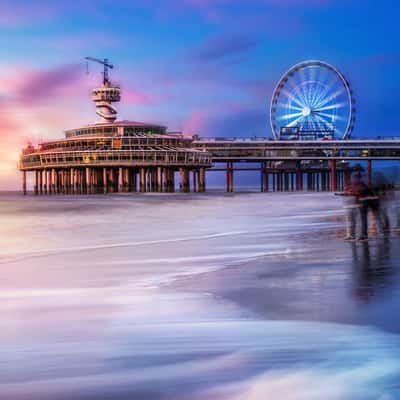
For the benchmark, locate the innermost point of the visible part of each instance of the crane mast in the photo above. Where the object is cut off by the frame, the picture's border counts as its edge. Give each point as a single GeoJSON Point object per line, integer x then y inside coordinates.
{"type": "Point", "coordinates": [105, 64]}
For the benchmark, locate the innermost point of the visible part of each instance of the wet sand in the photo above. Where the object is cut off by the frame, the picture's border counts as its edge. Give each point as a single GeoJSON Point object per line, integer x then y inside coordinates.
{"type": "Point", "coordinates": [322, 279]}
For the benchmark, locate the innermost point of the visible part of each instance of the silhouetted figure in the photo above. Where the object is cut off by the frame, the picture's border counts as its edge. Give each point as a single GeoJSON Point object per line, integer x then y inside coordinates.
{"type": "Point", "coordinates": [355, 207]}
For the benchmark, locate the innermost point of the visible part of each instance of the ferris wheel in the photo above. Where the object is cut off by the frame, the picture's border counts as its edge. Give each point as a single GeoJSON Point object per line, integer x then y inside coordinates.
{"type": "Point", "coordinates": [312, 100]}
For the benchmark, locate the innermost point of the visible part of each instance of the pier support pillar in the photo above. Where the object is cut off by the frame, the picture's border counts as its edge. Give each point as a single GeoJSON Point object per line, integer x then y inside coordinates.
{"type": "Point", "coordinates": [186, 174]}
{"type": "Point", "coordinates": [44, 178]}
{"type": "Point", "coordinates": [50, 181]}
{"type": "Point", "coordinates": [264, 177]}
{"type": "Point", "coordinates": [125, 179]}
{"type": "Point", "coordinates": [88, 180]}
{"type": "Point", "coordinates": [299, 177]}
{"type": "Point", "coordinates": [229, 177]}
{"type": "Point", "coordinates": [142, 180]}
{"type": "Point", "coordinates": [120, 179]}
{"type": "Point", "coordinates": [72, 180]}
{"type": "Point", "coordinates": [169, 180]}
{"type": "Point", "coordinates": [172, 187]}
{"type": "Point", "coordinates": [132, 181]}
{"type": "Point", "coordinates": [105, 183]}
{"type": "Point", "coordinates": [24, 183]}
{"type": "Point", "coordinates": [40, 181]}
{"type": "Point", "coordinates": [369, 172]}
{"type": "Point", "coordinates": [153, 173]}
{"type": "Point", "coordinates": [111, 183]}
{"type": "Point", "coordinates": [202, 180]}
{"type": "Point", "coordinates": [53, 181]}
{"type": "Point", "coordinates": [184, 182]}
{"type": "Point", "coordinates": [35, 181]}
{"type": "Point", "coordinates": [159, 179]}
{"type": "Point", "coordinates": [333, 175]}
{"type": "Point", "coordinates": [195, 173]}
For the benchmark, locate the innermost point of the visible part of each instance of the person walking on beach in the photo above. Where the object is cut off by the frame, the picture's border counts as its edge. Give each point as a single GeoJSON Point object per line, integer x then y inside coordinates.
{"type": "Point", "coordinates": [376, 203]}
{"type": "Point", "coordinates": [354, 208]}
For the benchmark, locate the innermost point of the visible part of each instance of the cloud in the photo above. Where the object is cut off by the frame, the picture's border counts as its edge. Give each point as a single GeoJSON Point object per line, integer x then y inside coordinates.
{"type": "Point", "coordinates": [131, 96]}
{"type": "Point", "coordinates": [39, 86]}
{"type": "Point", "coordinates": [222, 46]}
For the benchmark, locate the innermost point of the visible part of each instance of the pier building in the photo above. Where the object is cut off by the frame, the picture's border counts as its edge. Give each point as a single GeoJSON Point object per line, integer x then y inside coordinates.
{"type": "Point", "coordinates": [114, 156]}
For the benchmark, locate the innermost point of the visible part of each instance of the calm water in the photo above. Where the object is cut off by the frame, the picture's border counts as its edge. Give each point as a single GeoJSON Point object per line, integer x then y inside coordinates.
{"type": "Point", "coordinates": [244, 296]}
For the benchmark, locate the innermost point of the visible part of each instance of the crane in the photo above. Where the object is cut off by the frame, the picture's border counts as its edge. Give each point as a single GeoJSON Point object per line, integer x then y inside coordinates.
{"type": "Point", "coordinates": [105, 64]}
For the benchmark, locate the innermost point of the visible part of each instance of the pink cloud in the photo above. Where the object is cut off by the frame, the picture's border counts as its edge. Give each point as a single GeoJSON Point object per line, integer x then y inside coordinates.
{"type": "Point", "coordinates": [38, 86]}
{"type": "Point", "coordinates": [131, 96]}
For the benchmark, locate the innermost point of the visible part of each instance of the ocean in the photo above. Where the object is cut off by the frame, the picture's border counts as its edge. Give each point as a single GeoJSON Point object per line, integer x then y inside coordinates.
{"type": "Point", "coordinates": [194, 296]}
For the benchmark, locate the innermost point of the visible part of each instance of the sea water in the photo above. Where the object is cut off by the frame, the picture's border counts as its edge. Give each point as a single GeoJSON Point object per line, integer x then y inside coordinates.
{"type": "Point", "coordinates": [135, 296]}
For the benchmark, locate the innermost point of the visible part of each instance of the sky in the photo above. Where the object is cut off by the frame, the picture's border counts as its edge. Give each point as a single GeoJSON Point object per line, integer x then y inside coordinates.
{"type": "Point", "coordinates": [199, 66]}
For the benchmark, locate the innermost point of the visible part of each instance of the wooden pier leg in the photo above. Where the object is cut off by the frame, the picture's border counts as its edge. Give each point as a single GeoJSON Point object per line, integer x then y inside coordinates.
{"type": "Point", "coordinates": [35, 182]}
{"type": "Point", "coordinates": [299, 173]}
{"type": "Point", "coordinates": [60, 181]}
{"type": "Point", "coordinates": [71, 181]}
{"type": "Point", "coordinates": [56, 180]}
{"type": "Point", "coordinates": [74, 181]}
{"type": "Point", "coordinates": [186, 173]}
{"type": "Point", "coordinates": [129, 179]}
{"type": "Point", "coordinates": [49, 181]}
{"type": "Point", "coordinates": [153, 172]}
{"type": "Point", "coordinates": [181, 179]}
{"type": "Point", "coordinates": [273, 182]}
{"type": "Point", "coordinates": [134, 180]}
{"type": "Point", "coordinates": [229, 177]}
{"type": "Point", "coordinates": [52, 181]}
{"type": "Point", "coordinates": [279, 181]}
{"type": "Point", "coordinates": [159, 180]}
{"type": "Point", "coordinates": [125, 180]}
{"type": "Point", "coordinates": [24, 183]}
{"type": "Point", "coordinates": [202, 180]}
{"type": "Point", "coordinates": [88, 182]}
{"type": "Point", "coordinates": [111, 182]}
{"type": "Point", "coordinates": [44, 179]}
{"type": "Point", "coordinates": [369, 172]}
{"type": "Point", "coordinates": [40, 181]}
{"type": "Point", "coordinates": [333, 175]}
{"type": "Point", "coordinates": [120, 179]}
{"type": "Point", "coordinates": [194, 174]}
{"type": "Point", "coordinates": [172, 181]}
{"type": "Point", "coordinates": [97, 180]}
{"type": "Point", "coordinates": [286, 181]}
{"type": "Point", "coordinates": [105, 183]}
{"type": "Point", "coordinates": [142, 180]}
{"type": "Point", "coordinates": [264, 177]}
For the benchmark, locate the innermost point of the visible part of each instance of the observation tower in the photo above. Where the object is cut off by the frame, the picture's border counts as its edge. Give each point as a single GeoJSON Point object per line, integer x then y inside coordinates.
{"type": "Point", "coordinates": [114, 155]}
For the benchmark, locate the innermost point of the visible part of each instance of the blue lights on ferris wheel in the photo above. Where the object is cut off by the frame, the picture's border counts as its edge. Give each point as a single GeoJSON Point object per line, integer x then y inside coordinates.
{"type": "Point", "coordinates": [312, 100]}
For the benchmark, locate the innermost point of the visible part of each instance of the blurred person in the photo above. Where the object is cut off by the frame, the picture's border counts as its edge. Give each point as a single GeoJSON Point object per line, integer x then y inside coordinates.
{"type": "Point", "coordinates": [355, 208]}
{"type": "Point", "coordinates": [374, 200]}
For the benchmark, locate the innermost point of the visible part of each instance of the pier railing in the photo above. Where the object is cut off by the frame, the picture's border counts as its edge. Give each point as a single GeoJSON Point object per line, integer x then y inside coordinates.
{"type": "Point", "coordinates": [118, 158]}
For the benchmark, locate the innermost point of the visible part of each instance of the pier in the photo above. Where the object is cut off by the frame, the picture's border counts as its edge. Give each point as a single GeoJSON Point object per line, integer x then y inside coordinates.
{"type": "Point", "coordinates": [311, 148]}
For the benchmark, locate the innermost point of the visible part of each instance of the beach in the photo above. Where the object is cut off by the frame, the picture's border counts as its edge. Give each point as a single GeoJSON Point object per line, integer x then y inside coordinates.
{"type": "Point", "coordinates": [193, 296]}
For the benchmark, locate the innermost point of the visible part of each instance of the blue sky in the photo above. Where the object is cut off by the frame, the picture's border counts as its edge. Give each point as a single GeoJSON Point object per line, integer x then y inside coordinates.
{"type": "Point", "coordinates": [202, 66]}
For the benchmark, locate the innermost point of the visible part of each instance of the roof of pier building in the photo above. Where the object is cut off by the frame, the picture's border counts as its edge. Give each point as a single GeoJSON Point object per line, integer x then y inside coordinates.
{"type": "Point", "coordinates": [120, 128]}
